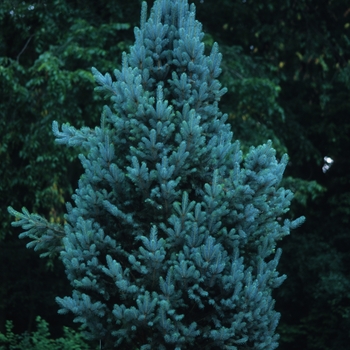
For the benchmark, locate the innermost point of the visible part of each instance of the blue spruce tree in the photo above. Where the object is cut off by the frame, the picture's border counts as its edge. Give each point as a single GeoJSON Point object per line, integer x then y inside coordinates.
{"type": "Point", "coordinates": [171, 241]}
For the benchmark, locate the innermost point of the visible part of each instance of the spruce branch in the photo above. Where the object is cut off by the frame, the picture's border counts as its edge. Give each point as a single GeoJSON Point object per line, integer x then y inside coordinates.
{"type": "Point", "coordinates": [44, 235]}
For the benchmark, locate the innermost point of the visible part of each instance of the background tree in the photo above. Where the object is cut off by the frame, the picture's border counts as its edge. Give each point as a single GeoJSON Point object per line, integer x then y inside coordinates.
{"type": "Point", "coordinates": [46, 52]}
{"type": "Point", "coordinates": [302, 49]}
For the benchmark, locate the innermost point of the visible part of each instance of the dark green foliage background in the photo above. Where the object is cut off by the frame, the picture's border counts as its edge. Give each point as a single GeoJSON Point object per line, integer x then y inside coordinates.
{"type": "Point", "coordinates": [287, 67]}
{"type": "Point", "coordinates": [46, 52]}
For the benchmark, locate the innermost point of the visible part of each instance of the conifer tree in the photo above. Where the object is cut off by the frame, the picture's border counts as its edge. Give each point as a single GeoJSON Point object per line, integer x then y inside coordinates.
{"type": "Point", "coordinates": [171, 240]}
